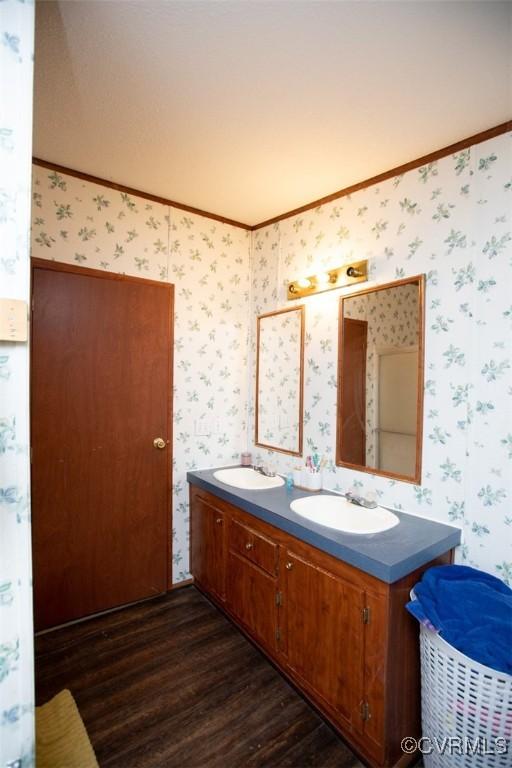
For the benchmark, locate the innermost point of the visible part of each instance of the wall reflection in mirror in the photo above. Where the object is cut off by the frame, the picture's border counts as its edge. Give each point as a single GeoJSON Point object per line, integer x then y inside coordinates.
{"type": "Point", "coordinates": [380, 380]}
{"type": "Point", "coordinates": [279, 380]}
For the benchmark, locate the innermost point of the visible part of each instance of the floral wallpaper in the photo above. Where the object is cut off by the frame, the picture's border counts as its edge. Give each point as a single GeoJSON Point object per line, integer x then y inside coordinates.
{"type": "Point", "coordinates": [208, 262]}
{"type": "Point", "coordinates": [393, 322]}
{"type": "Point", "coordinates": [279, 380]}
{"type": "Point", "coordinates": [450, 220]}
{"type": "Point", "coordinates": [16, 648]}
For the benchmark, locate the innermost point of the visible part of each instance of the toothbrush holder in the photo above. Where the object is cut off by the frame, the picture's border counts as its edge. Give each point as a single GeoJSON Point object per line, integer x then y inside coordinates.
{"type": "Point", "coordinates": [314, 481]}
{"type": "Point", "coordinates": [310, 481]}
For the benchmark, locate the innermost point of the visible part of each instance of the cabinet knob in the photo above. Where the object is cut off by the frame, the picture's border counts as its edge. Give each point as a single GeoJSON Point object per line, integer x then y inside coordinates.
{"type": "Point", "coordinates": [218, 520]}
{"type": "Point", "coordinates": [249, 545]}
{"type": "Point", "coordinates": [289, 566]}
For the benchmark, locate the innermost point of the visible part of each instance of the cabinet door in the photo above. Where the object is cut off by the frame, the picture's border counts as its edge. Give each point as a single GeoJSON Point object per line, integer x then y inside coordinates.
{"type": "Point", "coordinates": [208, 546]}
{"type": "Point", "coordinates": [251, 598]}
{"type": "Point", "coordinates": [323, 635]}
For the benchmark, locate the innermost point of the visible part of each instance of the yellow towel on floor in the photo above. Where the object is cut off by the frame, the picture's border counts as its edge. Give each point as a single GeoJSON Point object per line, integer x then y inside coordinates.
{"type": "Point", "coordinates": [61, 738]}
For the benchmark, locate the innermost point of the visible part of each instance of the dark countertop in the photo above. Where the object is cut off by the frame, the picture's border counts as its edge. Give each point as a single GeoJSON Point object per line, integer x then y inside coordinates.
{"type": "Point", "coordinates": [388, 556]}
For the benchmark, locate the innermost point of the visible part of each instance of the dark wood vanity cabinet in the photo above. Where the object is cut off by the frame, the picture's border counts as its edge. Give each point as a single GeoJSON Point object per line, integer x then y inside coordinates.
{"type": "Point", "coordinates": [208, 545]}
{"type": "Point", "coordinates": [342, 636]}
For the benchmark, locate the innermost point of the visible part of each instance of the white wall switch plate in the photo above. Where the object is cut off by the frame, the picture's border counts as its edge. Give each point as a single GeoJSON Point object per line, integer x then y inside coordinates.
{"type": "Point", "coordinates": [13, 320]}
{"type": "Point", "coordinates": [203, 427]}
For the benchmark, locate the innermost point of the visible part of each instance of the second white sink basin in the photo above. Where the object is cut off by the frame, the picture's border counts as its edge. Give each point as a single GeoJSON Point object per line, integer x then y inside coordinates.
{"type": "Point", "coordinates": [338, 513]}
{"type": "Point", "coordinates": [245, 477]}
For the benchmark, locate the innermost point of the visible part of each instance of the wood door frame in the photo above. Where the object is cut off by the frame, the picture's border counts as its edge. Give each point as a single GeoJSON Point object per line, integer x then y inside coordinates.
{"type": "Point", "coordinates": [59, 266]}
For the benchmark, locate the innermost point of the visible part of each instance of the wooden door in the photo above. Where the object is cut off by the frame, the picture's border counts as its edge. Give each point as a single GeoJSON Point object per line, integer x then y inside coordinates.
{"type": "Point", "coordinates": [101, 391]}
{"type": "Point", "coordinates": [323, 635]}
{"type": "Point", "coordinates": [353, 392]}
{"type": "Point", "coordinates": [208, 546]}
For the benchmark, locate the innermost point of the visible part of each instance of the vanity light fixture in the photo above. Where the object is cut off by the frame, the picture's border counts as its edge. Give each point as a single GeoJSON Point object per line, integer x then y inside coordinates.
{"type": "Point", "coordinates": [340, 277]}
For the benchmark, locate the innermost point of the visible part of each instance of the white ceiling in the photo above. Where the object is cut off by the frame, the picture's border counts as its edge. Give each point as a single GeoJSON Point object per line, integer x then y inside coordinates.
{"type": "Point", "coordinates": [248, 109]}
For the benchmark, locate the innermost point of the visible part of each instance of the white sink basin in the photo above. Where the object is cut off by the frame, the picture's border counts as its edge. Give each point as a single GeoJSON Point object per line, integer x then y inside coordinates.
{"type": "Point", "coordinates": [245, 477]}
{"type": "Point", "coordinates": [338, 513]}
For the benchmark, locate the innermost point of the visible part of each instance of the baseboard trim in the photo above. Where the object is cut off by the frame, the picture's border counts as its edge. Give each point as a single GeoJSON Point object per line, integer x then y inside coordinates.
{"type": "Point", "coordinates": [180, 584]}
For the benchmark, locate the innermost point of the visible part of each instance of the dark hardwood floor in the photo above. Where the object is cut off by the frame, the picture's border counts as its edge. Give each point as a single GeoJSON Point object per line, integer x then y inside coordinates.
{"type": "Point", "coordinates": [172, 684]}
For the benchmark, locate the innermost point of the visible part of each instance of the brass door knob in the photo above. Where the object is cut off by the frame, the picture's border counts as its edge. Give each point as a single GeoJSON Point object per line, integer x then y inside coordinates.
{"type": "Point", "coordinates": [289, 566]}
{"type": "Point", "coordinates": [218, 520]}
{"type": "Point", "coordinates": [159, 442]}
{"type": "Point", "coordinates": [249, 545]}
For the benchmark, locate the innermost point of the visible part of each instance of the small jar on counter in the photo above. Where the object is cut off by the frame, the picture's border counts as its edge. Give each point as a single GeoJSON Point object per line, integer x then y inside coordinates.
{"type": "Point", "coordinates": [246, 459]}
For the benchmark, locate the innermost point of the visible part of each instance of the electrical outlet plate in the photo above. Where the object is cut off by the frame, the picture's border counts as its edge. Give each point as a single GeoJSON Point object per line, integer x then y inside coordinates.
{"type": "Point", "coordinates": [13, 320]}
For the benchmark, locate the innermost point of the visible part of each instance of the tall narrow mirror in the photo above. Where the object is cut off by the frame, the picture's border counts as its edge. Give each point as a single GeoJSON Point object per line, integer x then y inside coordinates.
{"type": "Point", "coordinates": [280, 380]}
{"type": "Point", "coordinates": [380, 380]}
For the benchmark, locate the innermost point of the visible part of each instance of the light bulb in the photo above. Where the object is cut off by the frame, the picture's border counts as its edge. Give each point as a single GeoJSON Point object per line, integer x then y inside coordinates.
{"type": "Point", "coordinates": [304, 283]}
{"type": "Point", "coordinates": [322, 279]}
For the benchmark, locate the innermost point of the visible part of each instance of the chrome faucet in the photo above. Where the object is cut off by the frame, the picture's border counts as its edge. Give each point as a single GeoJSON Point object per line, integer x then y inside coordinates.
{"type": "Point", "coordinates": [263, 470]}
{"type": "Point", "coordinates": [360, 501]}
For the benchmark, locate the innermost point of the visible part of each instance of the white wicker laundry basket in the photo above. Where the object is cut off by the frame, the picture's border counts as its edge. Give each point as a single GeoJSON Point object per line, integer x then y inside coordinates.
{"type": "Point", "coordinates": [463, 702]}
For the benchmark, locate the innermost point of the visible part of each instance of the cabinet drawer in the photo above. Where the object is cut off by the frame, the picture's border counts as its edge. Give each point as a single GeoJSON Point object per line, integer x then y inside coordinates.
{"type": "Point", "coordinates": [253, 546]}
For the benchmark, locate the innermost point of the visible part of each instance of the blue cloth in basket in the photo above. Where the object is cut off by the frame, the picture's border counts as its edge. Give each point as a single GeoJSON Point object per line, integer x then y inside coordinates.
{"type": "Point", "coordinates": [470, 609]}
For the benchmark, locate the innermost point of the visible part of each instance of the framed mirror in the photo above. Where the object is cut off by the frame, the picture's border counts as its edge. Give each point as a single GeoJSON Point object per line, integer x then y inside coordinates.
{"type": "Point", "coordinates": [280, 380]}
{"type": "Point", "coordinates": [380, 380]}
